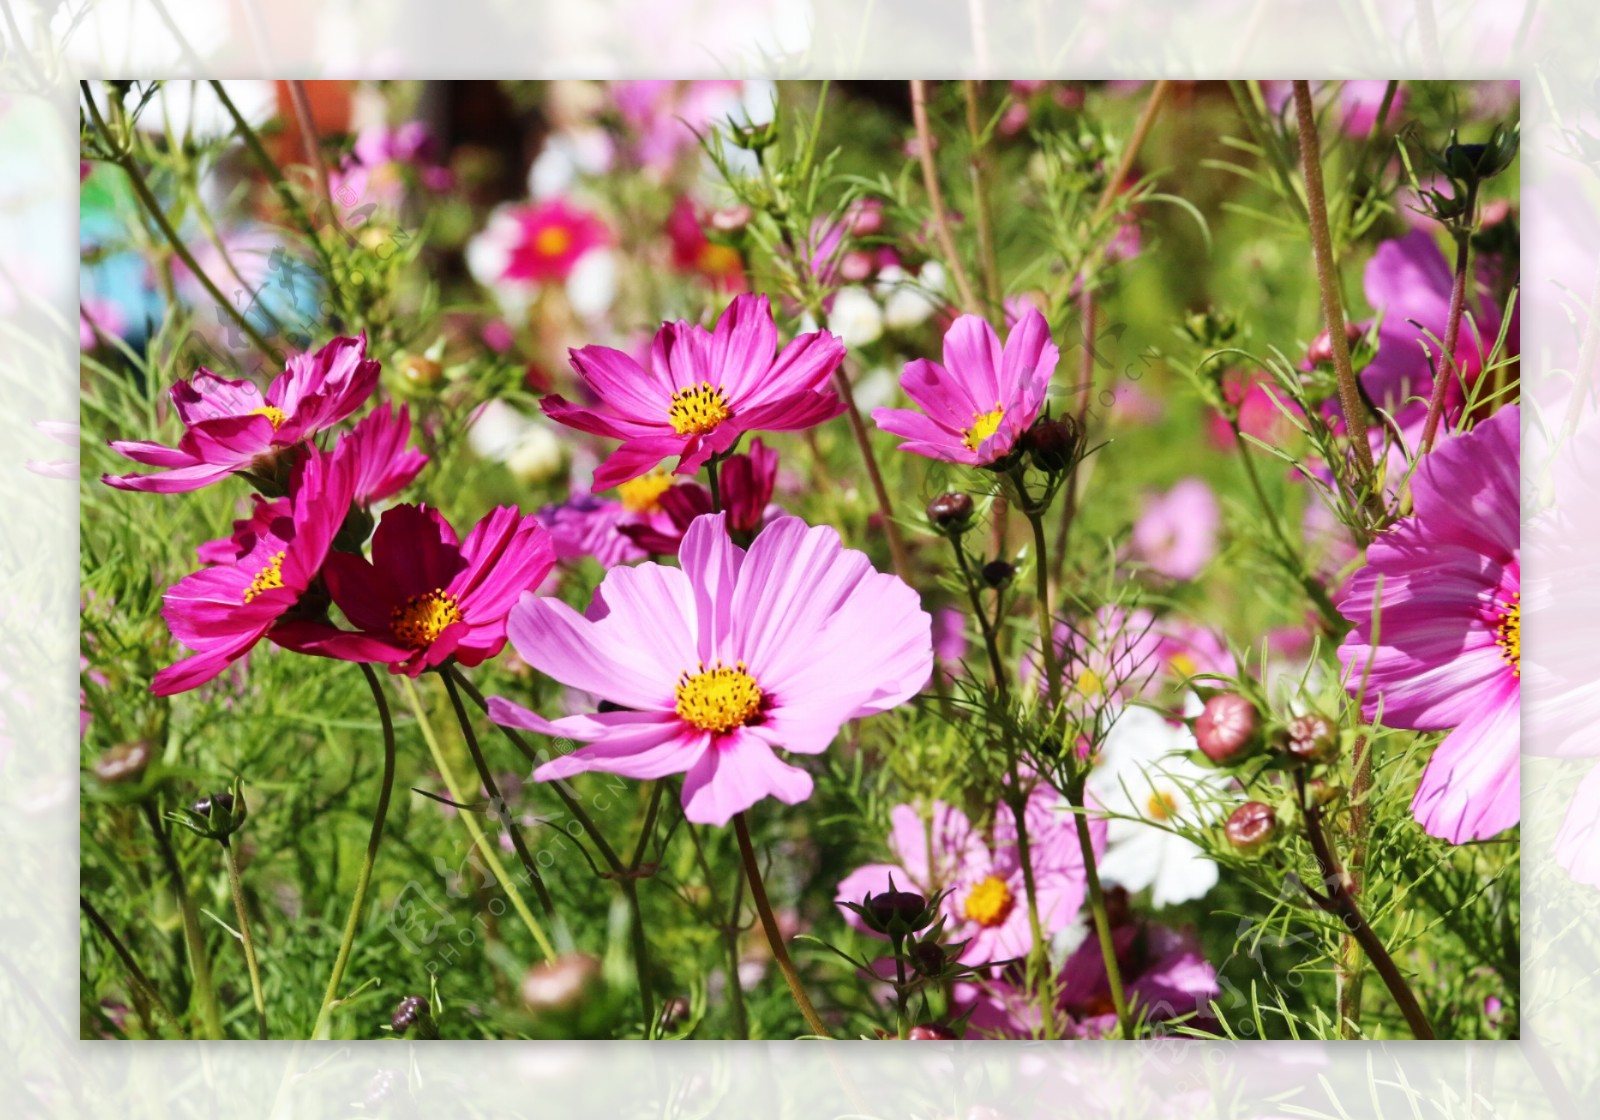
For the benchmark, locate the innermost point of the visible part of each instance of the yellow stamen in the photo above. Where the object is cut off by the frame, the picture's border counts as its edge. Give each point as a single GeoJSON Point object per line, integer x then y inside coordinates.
{"type": "Point", "coordinates": [989, 902]}
{"type": "Point", "coordinates": [1161, 806]}
{"type": "Point", "coordinates": [698, 410]}
{"type": "Point", "coordinates": [984, 425]}
{"type": "Point", "coordinates": [1090, 684]}
{"type": "Point", "coordinates": [719, 260]}
{"type": "Point", "coordinates": [271, 413]}
{"type": "Point", "coordinates": [422, 618]}
{"type": "Point", "coordinates": [1508, 633]}
{"type": "Point", "coordinates": [1183, 665]}
{"type": "Point", "coordinates": [552, 241]}
{"type": "Point", "coordinates": [643, 494]}
{"type": "Point", "coordinates": [269, 578]}
{"type": "Point", "coordinates": [718, 699]}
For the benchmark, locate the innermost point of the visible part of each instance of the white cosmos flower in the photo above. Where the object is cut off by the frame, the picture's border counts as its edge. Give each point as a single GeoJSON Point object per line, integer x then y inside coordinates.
{"type": "Point", "coordinates": [1142, 772]}
{"type": "Point", "coordinates": [856, 317]}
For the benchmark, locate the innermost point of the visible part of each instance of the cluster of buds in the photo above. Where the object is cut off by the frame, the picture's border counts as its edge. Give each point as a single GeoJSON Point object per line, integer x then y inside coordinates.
{"type": "Point", "coordinates": [1229, 731]}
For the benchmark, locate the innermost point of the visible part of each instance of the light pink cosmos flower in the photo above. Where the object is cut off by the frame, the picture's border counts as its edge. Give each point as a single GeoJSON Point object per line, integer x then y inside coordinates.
{"type": "Point", "coordinates": [987, 905]}
{"type": "Point", "coordinates": [703, 390]}
{"type": "Point", "coordinates": [426, 597]}
{"type": "Point", "coordinates": [667, 117]}
{"type": "Point", "coordinates": [1441, 597]}
{"type": "Point", "coordinates": [1176, 534]}
{"type": "Point", "coordinates": [232, 426]}
{"type": "Point", "coordinates": [976, 405]}
{"type": "Point", "coordinates": [714, 663]}
{"type": "Point", "coordinates": [224, 609]}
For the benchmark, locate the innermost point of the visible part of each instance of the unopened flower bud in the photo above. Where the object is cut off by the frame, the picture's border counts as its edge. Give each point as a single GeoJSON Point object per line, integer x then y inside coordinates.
{"type": "Point", "coordinates": [951, 513]}
{"type": "Point", "coordinates": [124, 762]}
{"type": "Point", "coordinates": [674, 1012]}
{"type": "Point", "coordinates": [1321, 349]}
{"type": "Point", "coordinates": [1311, 738]}
{"type": "Point", "coordinates": [998, 574]}
{"type": "Point", "coordinates": [1251, 826]}
{"type": "Point", "coordinates": [1053, 443]}
{"type": "Point", "coordinates": [212, 802]}
{"type": "Point", "coordinates": [1226, 728]}
{"type": "Point", "coordinates": [412, 1018]}
{"type": "Point", "coordinates": [893, 909]}
{"type": "Point", "coordinates": [927, 957]}
{"type": "Point", "coordinates": [931, 1032]}
{"type": "Point", "coordinates": [730, 219]}
{"type": "Point", "coordinates": [216, 816]}
{"type": "Point", "coordinates": [421, 370]}
{"type": "Point", "coordinates": [560, 984]}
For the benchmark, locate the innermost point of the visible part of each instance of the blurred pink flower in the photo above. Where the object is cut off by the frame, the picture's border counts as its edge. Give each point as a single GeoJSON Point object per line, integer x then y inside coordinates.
{"type": "Point", "coordinates": [528, 244]}
{"type": "Point", "coordinates": [1176, 534]}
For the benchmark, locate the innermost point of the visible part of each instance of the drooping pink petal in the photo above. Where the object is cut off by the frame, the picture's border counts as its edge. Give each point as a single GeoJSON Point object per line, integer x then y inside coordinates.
{"type": "Point", "coordinates": [733, 773]}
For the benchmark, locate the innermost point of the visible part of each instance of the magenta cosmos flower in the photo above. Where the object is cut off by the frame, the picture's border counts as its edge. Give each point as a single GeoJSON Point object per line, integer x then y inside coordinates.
{"type": "Point", "coordinates": [747, 482]}
{"type": "Point", "coordinates": [535, 243]}
{"type": "Point", "coordinates": [703, 390]}
{"type": "Point", "coordinates": [976, 405]}
{"type": "Point", "coordinates": [232, 426]}
{"type": "Point", "coordinates": [426, 598]}
{"type": "Point", "coordinates": [258, 575]}
{"type": "Point", "coordinates": [713, 664]}
{"type": "Point", "coordinates": [1438, 629]}
{"type": "Point", "coordinates": [385, 463]}
{"type": "Point", "coordinates": [987, 906]}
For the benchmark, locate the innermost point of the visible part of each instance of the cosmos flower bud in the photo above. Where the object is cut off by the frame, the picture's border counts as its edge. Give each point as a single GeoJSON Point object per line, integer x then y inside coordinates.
{"type": "Point", "coordinates": [951, 513]}
{"type": "Point", "coordinates": [1054, 443]}
{"type": "Point", "coordinates": [931, 1032]}
{"type": "Point", "coordinates": [927, 957]}
{"type": "Point", "coordinates": [674, 1011]}
{"type": "Point", "coordinates": [215, 816]}
{"type": "Point", "coordinates": [1321, 349]}
{"type": "Point", "coordinates": [900, 908]}
{"type": "Point", "coordinates": [412, 1018]}
{"type": "Point", "coordinates": [560, 984]}
{"type": "Point", "coordinates": [421, 370]}
{"type": "Point", "coordinates": [1311, 738]}
{"type": "Point", "coordinates": [1226, 728]}
{"type": "Point", "coordinates": [998, 574]}
{"type": "Point", "coordinates": [124, 762]}
{"type": "Point", "coordinates": [1251, 826]}
{"type": "Point", "coordinates": [1210, 328]}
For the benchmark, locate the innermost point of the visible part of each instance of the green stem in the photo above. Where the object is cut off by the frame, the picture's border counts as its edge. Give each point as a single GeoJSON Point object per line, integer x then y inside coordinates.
{"type": "Point", "coordinates": [130, 167]}
{"type": "Point", "coordinates": [1039, 957]}
{"type": "Point", "coordinates": [769, 924]}
{"type": "Point", "coordinates": [930, 181]}
{"type": "Point", "coordinates": [330, 997]}
{"type": "Point", "coordinates": [997, 668]}
{"type": "Point", "coordinates": [630, 888]}
{"type": "Point", "coordinates": [140, 979]}
{"type": "Point", "coordinates": [237, 887]}
{"type": "Point", "coordinates": [199, 963]}
{"type": "Point", "coordinates": [729, 929]}
{"type": "Point", "coordinates": [1041, 595]}
{"type": "Point", "coordinates": [497, 802]}
{"type": "Point", "coordinates": [485, 846]}
{"type": "Point", "coordinates": [979, 171]}
{"type": "Point", "coordinates": [1097, 906]}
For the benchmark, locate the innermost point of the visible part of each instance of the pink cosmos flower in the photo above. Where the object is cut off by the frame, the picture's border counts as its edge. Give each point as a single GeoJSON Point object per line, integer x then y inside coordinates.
{"type": "Point", "coordinates": [976, 405]}
{"type": "Point", "coordinates": [384, 463]}
{"type": "Point", "coordinates": [1261, 406]}
{"type": "Point", "coordinates": [666, 115]}
{"type": "Point", "coordinates": [703, 390]}
{"type": "Point", "coordinates": [535, 243]}
{"type": "Point", "coordinates": [714, 663]}
{"type": "Point", "coordinates": [1176, 534]}
{"type": "Point", "coordinates": [1165, 976]}
{"type": "Point", "coordinates": [426, 598]}
{"type": "Point", "coordinates": [223, 610]}
{"type": "Point", "coordinates": [231, 426]}
{"type": "Point", "coordinates": [1441, 598]}
{"type": "Point", "coordinates": [987, 904]}
{"type": "Point", "coordinates": [747, 481]}
{"type": "Point", "coordinates": [608, 528]}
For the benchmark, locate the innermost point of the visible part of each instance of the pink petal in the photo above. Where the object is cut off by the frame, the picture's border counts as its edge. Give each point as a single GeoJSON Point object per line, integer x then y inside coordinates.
{"type": "Point", "coordinates": [1472, 786]}
{"type": "Point", "coordinates": [735, 772]}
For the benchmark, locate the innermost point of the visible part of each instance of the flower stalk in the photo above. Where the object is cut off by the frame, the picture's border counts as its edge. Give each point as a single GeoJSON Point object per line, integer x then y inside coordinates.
{"type": "Point", "coordinates": [236, 887]}
{"type": "Point", "coordinates": [1447, 368]}
{"type": "Point", "coordinates": [330, 998]}
{"type": "Point", "coordinates": [769, 925]}
{"type": "Point", "coordinates": [194, 940]}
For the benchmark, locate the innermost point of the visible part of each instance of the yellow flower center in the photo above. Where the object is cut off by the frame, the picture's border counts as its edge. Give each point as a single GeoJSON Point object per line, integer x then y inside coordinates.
{"type": "Point", "coordinates": [271, 413]}
{"type": "Point", "coordinates": [984, 425]}
{"type": "Point", "coordinates": [698, 410]}
{"type": "Point", "coordinates": [719, 260]}
{"type": "Point", "coordinates": [552, 241]}
{"type": "Point", "coordinates": [643, 494]}
{"type": "Point", "coordinates": [718, 699]}
{"type": "Point", "coordinates": [1183, 665]}
{"type": "Point", "coordinates": [422, 618]}
{"type": "Point", "coordinates": [1089, 683]}
{"type": "Point", "coordinates": [989, 902]}
{"type": "Point", "coordinates": [268, 578]}
{"type": "Point", "coordinates": [1161, 806]}
{"type": "Point", "coordinates": [1508, 633]}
